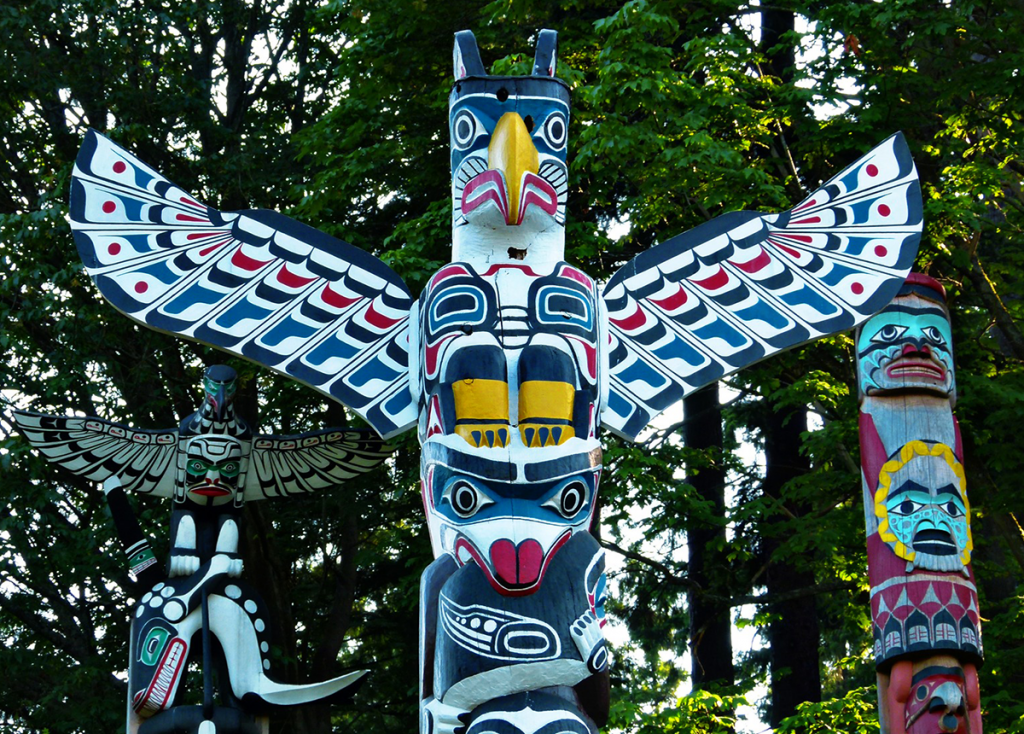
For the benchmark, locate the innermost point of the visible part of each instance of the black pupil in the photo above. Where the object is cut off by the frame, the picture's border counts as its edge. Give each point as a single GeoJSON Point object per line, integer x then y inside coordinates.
{"type": "Point", "coordinates": [502, 94]}
{"type": "Point", "coordinates": [557, 130]}
{"type": "Point", "coordinates": [921, 693]}
{"type": "Point", "coordinates": [951, 508]}
{"type": "Point", "coordinates": [462, 129]}
{"type": "Point", "coordinates": [571, 501]}
{"type": "Point", "coordinates": [465, 499]}
{"type": "Point", "coordinates": [906, 507]}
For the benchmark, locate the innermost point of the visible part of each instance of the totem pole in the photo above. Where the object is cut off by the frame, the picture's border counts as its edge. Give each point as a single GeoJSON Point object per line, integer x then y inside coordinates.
{"type": "Point", "coordinates": [210, 465]}
{"type": "Point", "coordinates": [510, 360]}
{"type": "Point", "coordinates": [924, 604]}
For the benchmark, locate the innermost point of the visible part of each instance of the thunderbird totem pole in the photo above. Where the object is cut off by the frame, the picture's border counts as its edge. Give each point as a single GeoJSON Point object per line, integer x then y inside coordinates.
{"type": "Point", "coordinates": [924, 605]}
{"type": "Point", "coordinates": [210, 465]}
{"type": "Point", "coordinates": [508, 363]}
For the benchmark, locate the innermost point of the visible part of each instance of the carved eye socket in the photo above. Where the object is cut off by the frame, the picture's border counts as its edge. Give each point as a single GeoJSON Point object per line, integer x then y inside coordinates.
{"type": "Point", "coordinates": [465, 129]}
{"type": "Point", "coordinates": [932, 334]}
{"type": "Point", "coordinates": [889, 333]}
{"type": "Point", "coordinates": [922, 693]}
{"type": "Point", "coordinates": [554, 131]}
{"type": "Point", "coordinates": [465, 499]}
{"type": "Point", "coordinates": [569, 500]}
{"type": "Point", "coordinates": [906, 507]}
{"type": "Point", "coordinates": [197, 466]}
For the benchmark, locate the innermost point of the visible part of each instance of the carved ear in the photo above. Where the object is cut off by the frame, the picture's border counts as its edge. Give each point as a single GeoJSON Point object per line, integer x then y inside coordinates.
{"type": "Point", "coordinates": [466, 56]}
{"type": "Point", "coordinates": [547, 53]}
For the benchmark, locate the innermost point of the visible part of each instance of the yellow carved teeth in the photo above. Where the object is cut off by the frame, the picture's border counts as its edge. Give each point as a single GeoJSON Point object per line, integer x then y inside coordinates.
{"type": "Point", "coordinates": [483, 435]}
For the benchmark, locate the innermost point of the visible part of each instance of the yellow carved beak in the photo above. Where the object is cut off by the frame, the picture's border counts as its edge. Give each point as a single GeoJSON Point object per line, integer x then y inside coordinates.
{"type": "Point", "coordinates": [513, 153]}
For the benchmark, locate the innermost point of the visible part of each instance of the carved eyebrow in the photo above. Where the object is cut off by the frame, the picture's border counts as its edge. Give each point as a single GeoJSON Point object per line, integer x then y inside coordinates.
{"type": "Point", "coordinates": [914, 311]}
{"type": "Point", "coordinates": [948, 489]}
{"type": "Point", "coordinates": [907, 487]}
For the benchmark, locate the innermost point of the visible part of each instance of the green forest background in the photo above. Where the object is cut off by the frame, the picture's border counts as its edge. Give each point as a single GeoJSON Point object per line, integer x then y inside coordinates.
{"type": "Point", "coordinates": [336, 113]}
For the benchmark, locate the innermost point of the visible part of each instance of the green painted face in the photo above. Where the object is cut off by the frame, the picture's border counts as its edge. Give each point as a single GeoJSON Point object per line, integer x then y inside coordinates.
{"type": "Point", "coordinates": [908, 346]}
{"type": "Point", "coordinates": [212, 469]}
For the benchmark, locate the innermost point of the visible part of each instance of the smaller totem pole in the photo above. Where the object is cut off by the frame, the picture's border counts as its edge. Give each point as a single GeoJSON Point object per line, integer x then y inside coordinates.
{"type": "Point", "coordinates": [210, 465]}
{"type": "Point", "coordinates": [924, 604]}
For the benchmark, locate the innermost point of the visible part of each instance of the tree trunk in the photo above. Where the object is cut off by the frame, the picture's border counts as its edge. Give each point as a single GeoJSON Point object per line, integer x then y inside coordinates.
{"type": "Point", "coordinates": [710, 623]}
{"type": "Point", "coordinates": [793, 629]}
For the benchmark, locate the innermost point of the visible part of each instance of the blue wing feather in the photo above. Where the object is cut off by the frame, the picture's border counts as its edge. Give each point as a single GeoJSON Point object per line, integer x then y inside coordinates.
{"type": "Point", "coordinates": [253, 283]}
{"type": "Point", "coordinates": [746, 285]}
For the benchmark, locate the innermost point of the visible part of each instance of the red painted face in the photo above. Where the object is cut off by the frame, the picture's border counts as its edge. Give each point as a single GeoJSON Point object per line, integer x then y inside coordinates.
{"type": "Point", "coordinates": [937, 702]}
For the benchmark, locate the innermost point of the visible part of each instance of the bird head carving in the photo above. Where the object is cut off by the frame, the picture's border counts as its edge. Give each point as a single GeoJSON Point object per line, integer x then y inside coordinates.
{"type": "Point", "coordinates": [508, 154]}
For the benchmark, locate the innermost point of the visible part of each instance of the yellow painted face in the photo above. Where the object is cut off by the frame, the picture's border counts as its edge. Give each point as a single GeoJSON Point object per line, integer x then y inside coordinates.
{"type": "Point", "coordinates": [921, 503]}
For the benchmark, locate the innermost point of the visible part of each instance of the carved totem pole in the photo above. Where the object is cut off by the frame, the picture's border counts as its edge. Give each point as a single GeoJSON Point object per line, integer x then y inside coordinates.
{"type": "Point", "coordinates": [210, 466]}
{"type": "Point", "coordinates": [924, 604]}
{"type": "Point", "coordinates": [510, 360]}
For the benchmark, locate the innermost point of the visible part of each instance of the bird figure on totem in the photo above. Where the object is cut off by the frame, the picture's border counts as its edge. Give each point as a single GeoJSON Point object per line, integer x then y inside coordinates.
{"type": "Point", "coordinates": [509, 362]}
{"type": "Point", "coordinates": [210, 466]}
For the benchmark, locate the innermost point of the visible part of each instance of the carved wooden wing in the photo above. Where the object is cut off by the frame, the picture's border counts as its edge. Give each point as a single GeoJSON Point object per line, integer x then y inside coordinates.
{"type": "Point", "coordinates": [285, 465]}
{"type": "Point", "coordinates": [746, 285]}
{"type": "Point", "coordinates": [253, 283]}
{"type": "Point", "coordinates": [96, 449]}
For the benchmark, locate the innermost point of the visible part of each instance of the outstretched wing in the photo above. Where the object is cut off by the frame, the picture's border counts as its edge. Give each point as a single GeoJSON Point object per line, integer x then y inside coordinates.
{"type": "Point", "coordinates": [254, 283]}
{"type": "Point", "coordinates": [285, 465]}
{"type": "Point", "coordinates": [97, 449]}
{"type": "Point", "coordinates": [745, 285]}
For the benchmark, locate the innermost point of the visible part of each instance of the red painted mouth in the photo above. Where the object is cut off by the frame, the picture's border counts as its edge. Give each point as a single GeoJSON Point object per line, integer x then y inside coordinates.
{"type": "Point", "coordinates": [211, 490]}
{"type": "Point", "coordinates": [157, 696]}
{"type": "Point", "coordinates": [514, 570]}
{"type": "Point", "coordinates": [916, 368]}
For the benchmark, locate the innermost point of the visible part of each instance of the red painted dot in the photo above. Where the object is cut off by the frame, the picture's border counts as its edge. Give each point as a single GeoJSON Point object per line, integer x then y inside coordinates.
{"type": "Point", "coordinates": [109, 207]}
{"type": "Point", "coordinates": [141, 287]}
{"type": "Point", "coordinates": [880, 251]}
{"type": "Point", "coordinates": [872, 169]}
{"type": "Point", "coordinates": [114, 248]}
{"type": "Point", "coordinates": [857, 288]}
{"type": "Point", "coordinates": [119, 167]}
{"type": "Point", "coordinates": [884, 210]}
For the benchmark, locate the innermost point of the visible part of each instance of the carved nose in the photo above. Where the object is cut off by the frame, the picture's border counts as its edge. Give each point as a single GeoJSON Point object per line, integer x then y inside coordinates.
{"type": "Point", "coordinates": [913, 348]}
{"type": "Point", "coordinates": [517, 565]}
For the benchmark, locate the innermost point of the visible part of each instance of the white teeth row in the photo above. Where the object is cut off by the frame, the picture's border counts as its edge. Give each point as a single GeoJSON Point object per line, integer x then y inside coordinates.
{"type": "Point", "coordinates": [168, 670]}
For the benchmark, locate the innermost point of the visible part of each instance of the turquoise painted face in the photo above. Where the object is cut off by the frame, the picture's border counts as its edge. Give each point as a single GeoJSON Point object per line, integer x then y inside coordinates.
{"type": "Point", "coordinates": [907, 347]}
{"type": "Point", "coordinates": [922, 508]}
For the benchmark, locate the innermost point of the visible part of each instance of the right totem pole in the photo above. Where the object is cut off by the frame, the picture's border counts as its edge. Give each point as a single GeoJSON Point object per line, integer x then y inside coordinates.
{"type": "Point", "coordinates": [924, 602]}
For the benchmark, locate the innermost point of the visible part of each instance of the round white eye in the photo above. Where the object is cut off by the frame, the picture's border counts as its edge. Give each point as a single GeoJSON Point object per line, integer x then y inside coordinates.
{"type": "Point", "coordinates": [465, 129]}
{"type": "Point", "coordinates": [570, 500]}
{"type": "Point", "coordinates": [555, 130]}
{"type": "Point", "coordinates": [465, 500]}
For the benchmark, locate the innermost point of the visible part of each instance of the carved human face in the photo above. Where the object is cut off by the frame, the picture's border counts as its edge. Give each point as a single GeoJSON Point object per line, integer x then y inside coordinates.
{"type": "Point", "coordinates": [908, 346]}
{"type": "Point", "coordinates": [213, 469]}
{"type": "Point", "coordinates": [922, 508]}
